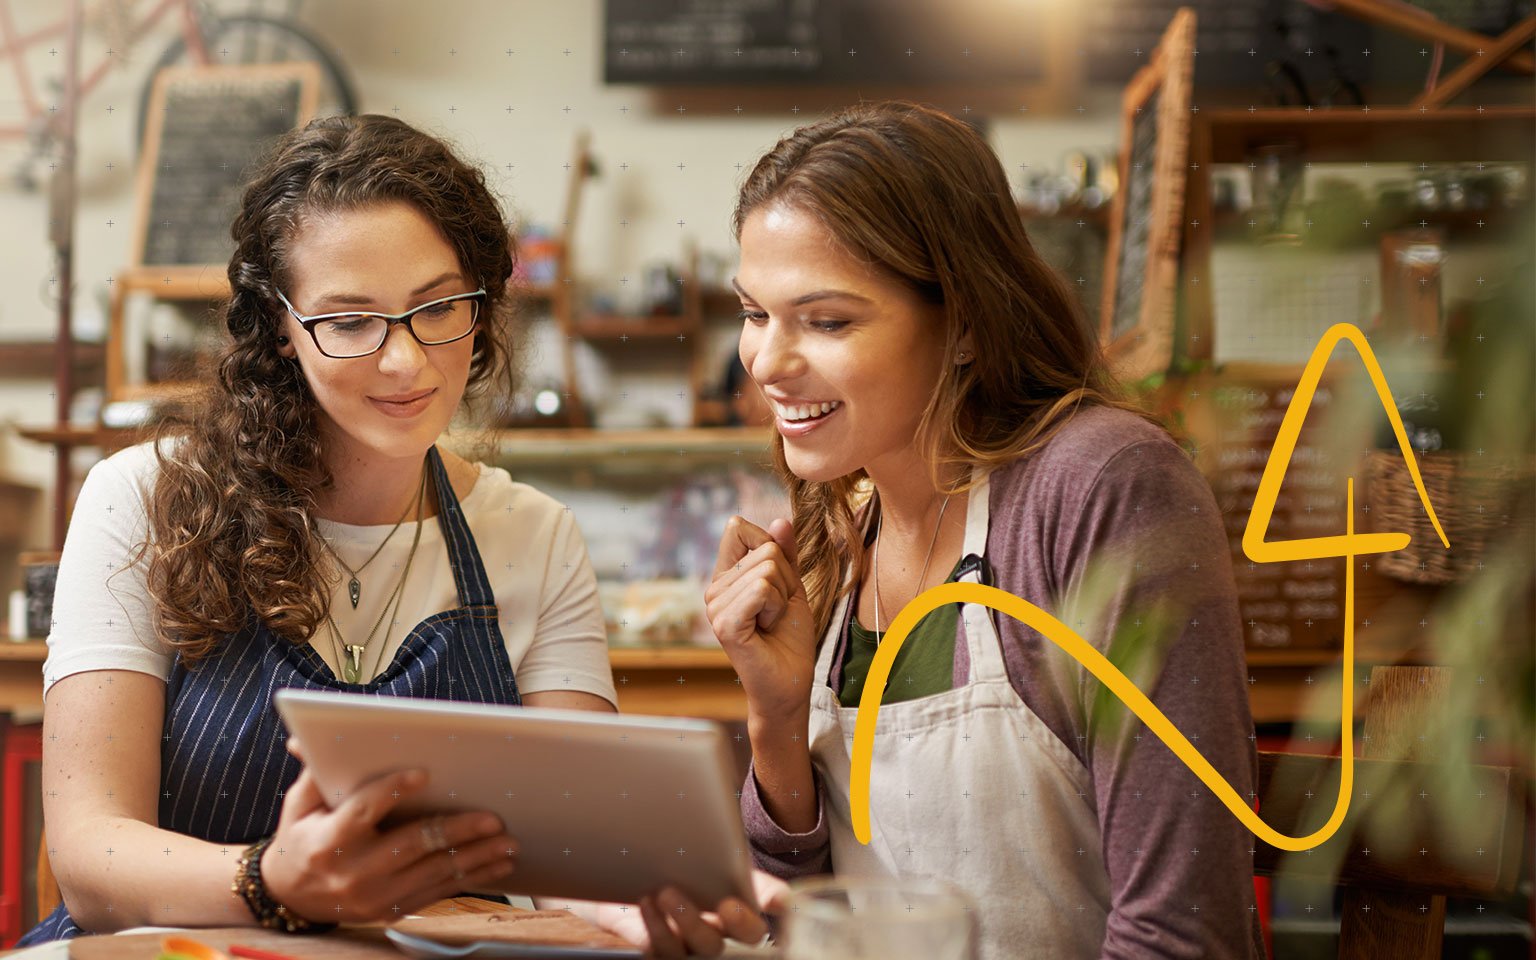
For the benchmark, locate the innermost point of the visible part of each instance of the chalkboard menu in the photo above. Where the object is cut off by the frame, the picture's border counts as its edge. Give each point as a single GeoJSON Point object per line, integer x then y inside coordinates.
{"type": "Point", "coordinates": [1119, 35]}
{"type": "Point", "coordinates": [1136, 219]}
{"type": "Point", "coordinates": [1295, 603]}
{"type": "Point", "coordinates": [207, 126]}
{"type": "Point", "coordinates": [825, 42]}
{"type": "Point", "coordinates": [1239, 39]}
{"type": "Point", "coordinates": [1137, 316]}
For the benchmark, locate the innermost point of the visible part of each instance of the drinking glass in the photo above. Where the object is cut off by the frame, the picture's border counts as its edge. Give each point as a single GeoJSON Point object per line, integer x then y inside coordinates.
{"type": "Point", "coordinates": [851, 918]}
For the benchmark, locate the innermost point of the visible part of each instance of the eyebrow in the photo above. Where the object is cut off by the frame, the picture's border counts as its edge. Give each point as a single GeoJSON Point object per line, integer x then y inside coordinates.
{"type": "Point", "coordinates": [811, 297]}
{"type": "Point", "coordinates": [356, 299]}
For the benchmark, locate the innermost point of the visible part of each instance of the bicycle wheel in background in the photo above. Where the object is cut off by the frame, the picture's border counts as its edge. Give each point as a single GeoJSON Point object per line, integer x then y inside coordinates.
{"type": "Point", "coordinates": [247, 38]}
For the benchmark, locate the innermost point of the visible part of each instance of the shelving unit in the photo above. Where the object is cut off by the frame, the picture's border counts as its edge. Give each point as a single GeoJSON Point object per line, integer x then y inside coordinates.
{"type": "Point", "coordinates": [1390, 616]}
{"type": "Point", "coordinates": [1342, 135]}
{"type": "Point", "coordinates": [605, 330]}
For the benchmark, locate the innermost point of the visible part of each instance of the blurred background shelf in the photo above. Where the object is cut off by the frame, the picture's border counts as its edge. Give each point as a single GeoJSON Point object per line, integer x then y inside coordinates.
{"type": "Point", "coordinates": [24, 651]}
{"type": "Point", "coordinates": [590, 446]}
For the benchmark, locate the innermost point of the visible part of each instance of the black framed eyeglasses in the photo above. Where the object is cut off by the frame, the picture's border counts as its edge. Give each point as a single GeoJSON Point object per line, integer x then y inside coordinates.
{"type": "Point", "coordinates": [344, 336]}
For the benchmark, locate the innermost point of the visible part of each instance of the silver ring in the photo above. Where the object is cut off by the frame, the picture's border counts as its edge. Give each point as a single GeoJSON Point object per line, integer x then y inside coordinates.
{"type": "Point", "coordinates": [432, 836]}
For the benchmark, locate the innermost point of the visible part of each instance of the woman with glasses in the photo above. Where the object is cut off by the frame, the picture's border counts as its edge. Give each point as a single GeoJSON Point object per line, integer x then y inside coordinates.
{"type": "Point", "coordinates": [304, 529]}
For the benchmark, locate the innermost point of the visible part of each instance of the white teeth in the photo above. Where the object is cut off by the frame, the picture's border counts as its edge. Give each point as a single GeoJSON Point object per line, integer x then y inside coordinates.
{"type": "Point", "coordinates": [805, 411]}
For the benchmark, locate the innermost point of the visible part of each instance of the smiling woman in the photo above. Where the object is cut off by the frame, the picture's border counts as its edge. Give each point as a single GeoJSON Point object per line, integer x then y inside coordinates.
{"type": "Point", "coordinates": [943, 414]}
{"type": "Point", "coordinates": [205, 569]}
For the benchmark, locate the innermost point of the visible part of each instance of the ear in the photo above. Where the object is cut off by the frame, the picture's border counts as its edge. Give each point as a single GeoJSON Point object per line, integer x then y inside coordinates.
{"type": "Point", "coordinates": [284, 346]}
{"type": "Point", "coordinates": [965, 349]}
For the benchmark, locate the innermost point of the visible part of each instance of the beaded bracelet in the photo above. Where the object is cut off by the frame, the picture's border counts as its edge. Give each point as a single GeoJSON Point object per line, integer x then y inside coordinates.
{"type": "Point", "coordinates": [268, 912]}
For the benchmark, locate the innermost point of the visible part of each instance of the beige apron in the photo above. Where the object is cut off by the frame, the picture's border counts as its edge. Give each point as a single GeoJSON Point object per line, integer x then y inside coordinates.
{"type": "Point", "coordinates": [971, 787]}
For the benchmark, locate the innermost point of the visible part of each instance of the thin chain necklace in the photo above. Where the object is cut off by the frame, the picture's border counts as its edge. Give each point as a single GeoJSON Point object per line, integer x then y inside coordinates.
{"type": "Point", "coordinates": [352, 663]}
{"type": "Point", "coordinates": [879, 525]}
{"type": "Point", "coordinates": [355, 586]}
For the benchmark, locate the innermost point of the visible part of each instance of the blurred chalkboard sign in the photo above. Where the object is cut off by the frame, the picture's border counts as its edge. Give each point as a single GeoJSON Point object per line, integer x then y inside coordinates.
{"type": "Point", "coordinates": [1297, 603]}
{"type": "Point", "coordinates": [828, 42]}
{"type": "Point", "coordinates": [1236, 38]}
{"type": "Point", "coordinates": [1135, 218]}
{"type": "Point", "coordinates": [207, 126]}
{"type": "Point", "coordinates": [1137, 319]}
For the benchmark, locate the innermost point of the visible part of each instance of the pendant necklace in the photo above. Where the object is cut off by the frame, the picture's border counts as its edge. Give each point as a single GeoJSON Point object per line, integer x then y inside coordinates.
{"type": "Point", "coordinates": [355, 586]}
{"type": "Point", "coordinates": [352, 662]}
{"type": "Point", "coordinates": [879, 524]}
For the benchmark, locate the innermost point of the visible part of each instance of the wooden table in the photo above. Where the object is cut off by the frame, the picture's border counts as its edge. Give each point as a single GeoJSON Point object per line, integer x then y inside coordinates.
{"type": "Point", "coordinates": [357, 943]}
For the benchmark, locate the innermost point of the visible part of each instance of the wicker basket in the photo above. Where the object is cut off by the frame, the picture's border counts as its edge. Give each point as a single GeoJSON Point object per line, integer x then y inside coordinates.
{"type": "Point", "coordinates": [1478, 502]}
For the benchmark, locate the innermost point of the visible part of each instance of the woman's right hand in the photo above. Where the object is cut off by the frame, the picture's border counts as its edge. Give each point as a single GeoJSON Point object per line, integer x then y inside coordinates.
{"type": "Point", "coordinates": [758, 609]}
{"type": "Point", "coordinates": [334, 866]}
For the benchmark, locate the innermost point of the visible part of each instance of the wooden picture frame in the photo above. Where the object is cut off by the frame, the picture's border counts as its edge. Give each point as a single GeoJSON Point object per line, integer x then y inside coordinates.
{"type": "Point", "coordinates": [1137, 318]}
{"type": "Point", "coordinates": [298, 82]}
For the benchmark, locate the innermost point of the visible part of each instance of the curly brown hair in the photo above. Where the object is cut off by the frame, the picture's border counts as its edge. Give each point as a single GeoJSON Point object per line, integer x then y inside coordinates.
{"type": "Point", "coordinates": [919, 195]}
{"type": "Point", "coordinates": [231, 522]}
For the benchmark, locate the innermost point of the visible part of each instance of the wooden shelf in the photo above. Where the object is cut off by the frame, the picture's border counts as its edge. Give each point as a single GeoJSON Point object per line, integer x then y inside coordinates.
{"type": "Point", "coordinates": [584, 445]}
{"type": "Point", "coordinates": [174, 282]}
{"type": "Point", "coordinates": [678, 681]}
{"type": "Point", "coordinates": [1242, 226]}
{"type": "Point", "coordinates": [534, 291]}
{"type": "Point", "coordinates": [1288, 657]}
{"type": "Point", "coordinates": [668, 658]}
{"type": "Point", "coordinates": [713, 658]}
{"type": "Point", "coordinates": [700, 682]}
{"type": "Point", "coordinates": [106, 438]}
{"type": "Point", "coordinates": [34, 359]}
{"type": "Point", "coordinates": [24, 651]}
{"type": "Point", "coordinates": [525, 446]}
{"type": "Point", "coordinates": [640, 327]}
{"type": "Point", "coordinates": [1388, 134]}
{"type": "Point", "coordinates": [720, 300]}
{"type": "Point", "coordinates": [1085, 216]}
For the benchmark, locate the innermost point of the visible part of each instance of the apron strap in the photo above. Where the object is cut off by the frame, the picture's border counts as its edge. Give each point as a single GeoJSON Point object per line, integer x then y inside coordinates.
{"type": "Point", "coordinates": [463, 553]}
{"type": "Point", "coordinates": [982, 640]}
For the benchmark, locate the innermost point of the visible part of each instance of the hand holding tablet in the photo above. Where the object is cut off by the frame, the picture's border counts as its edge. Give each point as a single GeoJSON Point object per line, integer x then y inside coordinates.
{"type": "Point", "coordinates": [602, 807]}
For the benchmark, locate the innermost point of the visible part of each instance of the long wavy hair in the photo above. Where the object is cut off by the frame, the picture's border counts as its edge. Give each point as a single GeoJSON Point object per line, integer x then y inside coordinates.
{"type": "Point", "coordinates": [231, 522]}
{"type": "Point", "coordinates": [919, 195]}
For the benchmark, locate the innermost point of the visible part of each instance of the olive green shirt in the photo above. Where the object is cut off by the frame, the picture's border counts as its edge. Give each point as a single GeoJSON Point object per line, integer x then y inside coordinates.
{"type": "Point", "coordinates": [925, 665]}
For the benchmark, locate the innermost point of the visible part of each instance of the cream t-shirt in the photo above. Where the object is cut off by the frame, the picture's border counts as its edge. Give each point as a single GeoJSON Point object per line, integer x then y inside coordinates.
{"type": "Point", "coordinates": [534, 556]}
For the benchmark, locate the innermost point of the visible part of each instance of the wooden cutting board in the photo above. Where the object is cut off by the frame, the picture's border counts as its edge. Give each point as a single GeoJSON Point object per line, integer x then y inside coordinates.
{"type": "Point", "coordinates": [554, 927]}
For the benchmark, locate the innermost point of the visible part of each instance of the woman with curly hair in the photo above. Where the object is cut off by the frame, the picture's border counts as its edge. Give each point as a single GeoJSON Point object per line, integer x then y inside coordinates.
{"type": "Point", "coordinates": [303, 529]}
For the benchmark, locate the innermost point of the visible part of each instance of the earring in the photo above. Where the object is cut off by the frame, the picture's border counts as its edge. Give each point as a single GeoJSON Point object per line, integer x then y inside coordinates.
{"type": "Point", "coordinates": [282, 341]}
{"type": "Point", "coordinates": [963, 357]}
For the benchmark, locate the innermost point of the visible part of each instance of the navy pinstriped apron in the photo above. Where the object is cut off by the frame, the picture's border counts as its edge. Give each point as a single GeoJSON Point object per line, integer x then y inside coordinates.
{"type": "Point", "coordinates": [223, 764]}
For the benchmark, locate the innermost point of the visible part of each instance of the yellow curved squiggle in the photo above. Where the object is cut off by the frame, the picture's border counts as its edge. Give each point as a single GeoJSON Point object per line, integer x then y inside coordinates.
{"type": "Point", "coordinates": [1348, 546]}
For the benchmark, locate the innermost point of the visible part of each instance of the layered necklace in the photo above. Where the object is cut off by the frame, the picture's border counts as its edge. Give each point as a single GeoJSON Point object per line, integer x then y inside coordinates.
{"type": "Point", "coordinates": [879, 525]}
{"type": "Point", "coordinates": [350, 655]}
{"type": "Point", "coordinates": [355, 586]}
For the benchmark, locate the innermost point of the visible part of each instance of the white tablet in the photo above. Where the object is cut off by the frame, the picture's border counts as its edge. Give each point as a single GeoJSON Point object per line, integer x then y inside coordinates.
{"type": "Point", "coordinates": [603, 806]}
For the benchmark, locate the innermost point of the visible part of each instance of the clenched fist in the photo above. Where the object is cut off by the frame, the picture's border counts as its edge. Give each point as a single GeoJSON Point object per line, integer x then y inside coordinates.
{"type": "Point", "coordinates": [758, 610]}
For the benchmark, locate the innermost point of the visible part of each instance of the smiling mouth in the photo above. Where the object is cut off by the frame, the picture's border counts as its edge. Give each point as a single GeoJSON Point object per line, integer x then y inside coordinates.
{"type": "Point", "coordinates": [403, 401]}
{"type": "Point", "coordinates": [795, 413]}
